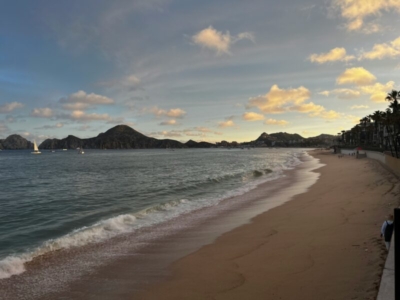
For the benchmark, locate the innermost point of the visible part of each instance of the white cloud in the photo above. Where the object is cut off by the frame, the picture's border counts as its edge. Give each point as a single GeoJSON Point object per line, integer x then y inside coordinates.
{"type": "Point", "coordinates": [218, 41]}
{"type": "Point", "coordinates": [336, 54]}
{"type": "Point", "coordinates": [81, 100]}
{"type": "Point", "coordinates": [9, 107]}
{"type": "Point", "coordinates": [169, 122]}
{"type": "Point", "coordinates": [42, 112]}
{"type": "Point", "coordinates": [173, 112]}
{"type": "Point", "coordinates": [3, 127]}
{"type": "Point", "coordinates": [130, 83]}
{"type": "Point", "coordinates": [55, 126]}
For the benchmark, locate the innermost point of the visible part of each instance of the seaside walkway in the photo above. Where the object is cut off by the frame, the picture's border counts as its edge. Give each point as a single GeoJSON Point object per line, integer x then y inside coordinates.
{"type": "Point", "coordinates": [386, 288]}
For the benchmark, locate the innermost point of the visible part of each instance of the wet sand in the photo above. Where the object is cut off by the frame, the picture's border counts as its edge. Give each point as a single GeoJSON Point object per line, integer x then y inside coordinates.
{"type": "Point", "coordinates": [323, 244]}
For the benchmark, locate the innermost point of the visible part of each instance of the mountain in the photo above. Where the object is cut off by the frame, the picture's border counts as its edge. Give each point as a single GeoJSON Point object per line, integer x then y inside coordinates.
{"type": "Point", "coordinates": [15, 142]}
{"type": "Point", "coordinates": [193, 144]}
{"type": "Point", "coordinates": [284, 139]}
{"type": "Point", "coordinates": [118, 137]}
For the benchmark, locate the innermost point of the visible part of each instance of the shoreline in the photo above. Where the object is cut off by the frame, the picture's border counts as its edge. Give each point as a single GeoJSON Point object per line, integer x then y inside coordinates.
{"type": "Point", "coordinates": [243, 248]}
{"type": "Point", "coordinates": [118, 259]}
{"type": "Point", "coordinates": [333, 251]}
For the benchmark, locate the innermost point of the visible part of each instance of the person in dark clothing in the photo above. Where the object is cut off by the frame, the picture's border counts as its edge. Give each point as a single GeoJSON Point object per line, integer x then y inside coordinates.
{"type": "Point", "coordinates": [387, 231]}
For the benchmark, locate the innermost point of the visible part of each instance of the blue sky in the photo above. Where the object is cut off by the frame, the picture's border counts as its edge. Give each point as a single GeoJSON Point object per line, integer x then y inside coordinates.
{"type": "Point", "coordinates": [201, 70]}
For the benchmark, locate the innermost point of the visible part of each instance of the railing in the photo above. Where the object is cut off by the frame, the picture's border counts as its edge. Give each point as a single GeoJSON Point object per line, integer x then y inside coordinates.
{"type": "Point", "coordinates": [397, 253]}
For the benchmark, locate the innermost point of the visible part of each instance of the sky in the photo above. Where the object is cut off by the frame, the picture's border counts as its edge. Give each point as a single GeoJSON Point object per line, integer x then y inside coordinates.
{"type": "Point", "coordinates": [201, 70]}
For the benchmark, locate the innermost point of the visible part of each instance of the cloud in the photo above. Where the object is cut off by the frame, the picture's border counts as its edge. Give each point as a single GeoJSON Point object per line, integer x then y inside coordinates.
{"type": "Point", "coordinates": [78, 115]}
{"type": "Point", "coordinates": [311, 108]}
{"type": "Point", "coordinates": [81, 101]}
{"type": "Point", "coordinates": [42, 112]}
{"type": "Point", "coordinates": [276, 122]}
{"type": "Point", "coordinates": [378, 91]}
{"type": "Point", "coordinates": [203, 129]}
{"type": "Point", "coordinates": [380, 51]}
{"type": "Point", "coordinates": [358, 76]}
{"type": "Point", "coordinates": [58, 125]}
{"type": "Point", "coordinates": [218, 41]}
{"type": "Point", "coordinates": [227, 123]}
{"type": "Point", "coordinates": [252, 116]}
{"type": "Point", "coordinates": [343, 93]}
{"type": "Point", "coordinates": [3, 127]}
{"type": "Point", "coordinates": [130, 83]}
{"type": "Point", "coordinates": [169, 134]}
{"type": "Point", "coordinates": [280, 100]}
{"type": "Point", "coordinates": [169, 122]}
{"type": "Point", "coordinates": [359, 107]}
{"type": "Point", "coordinates": [9, 107]}
{"type": "Point", "coordinates": [336, 54]}
{"type": "Point", "coordinates": [356, 11]}
{"type": "Point", "coordinates": [277, 100]}
{"type": "Point", "coordinates": [84, 127]}
{"type": "Point", "coordinates": [173, 112]}
{"type": "Point", "coordinates": [329, 114]}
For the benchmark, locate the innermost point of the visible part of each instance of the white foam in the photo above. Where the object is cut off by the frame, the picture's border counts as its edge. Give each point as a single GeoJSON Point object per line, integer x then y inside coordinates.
{"type": "Point", "coordinates": [127, 223]}
{"type": "Point", "coordinates": [12, 265]}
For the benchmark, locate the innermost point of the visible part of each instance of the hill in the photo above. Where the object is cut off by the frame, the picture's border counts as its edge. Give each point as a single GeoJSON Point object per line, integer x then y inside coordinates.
{"type": "Point", "coordinates": [15, 142]}
{"type": "Point", "coordinates": [118, 137]}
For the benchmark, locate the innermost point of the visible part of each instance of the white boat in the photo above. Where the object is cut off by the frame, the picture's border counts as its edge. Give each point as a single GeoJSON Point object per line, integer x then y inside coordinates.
{"type": "Point", "coordinates": [80, 151]}
{"type": "Point", "coordinates": [35, 148]}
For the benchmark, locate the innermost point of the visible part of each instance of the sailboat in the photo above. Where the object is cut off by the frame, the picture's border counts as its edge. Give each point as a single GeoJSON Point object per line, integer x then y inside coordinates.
{"type": "Point", "coordinates": [80, 150]}
{"type": "Point", "coordinates": [35, 148]}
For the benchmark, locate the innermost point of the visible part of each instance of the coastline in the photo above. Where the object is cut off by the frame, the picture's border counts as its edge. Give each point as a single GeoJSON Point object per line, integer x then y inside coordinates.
{"type": "Point", "coordinates": [127, 263]}
{"type": "Point", "coordinates": [324, 244]}
{"type": "Point", "coordinates": [246, 247]}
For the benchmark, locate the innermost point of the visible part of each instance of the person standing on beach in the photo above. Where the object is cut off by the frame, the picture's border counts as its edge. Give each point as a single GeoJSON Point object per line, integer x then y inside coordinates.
{"type": "Point", "coordinates": [387, 231]}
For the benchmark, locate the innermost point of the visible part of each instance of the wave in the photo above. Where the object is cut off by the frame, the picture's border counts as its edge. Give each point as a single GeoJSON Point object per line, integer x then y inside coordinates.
{"type": "Point", "coordinates": [103, 230]}
{"type": "Point", "coordinates": [128, 223]}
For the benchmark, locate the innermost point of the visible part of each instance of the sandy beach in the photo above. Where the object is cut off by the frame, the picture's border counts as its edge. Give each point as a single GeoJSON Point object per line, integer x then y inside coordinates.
{"type": "Point", "coordinates": [323, 244]}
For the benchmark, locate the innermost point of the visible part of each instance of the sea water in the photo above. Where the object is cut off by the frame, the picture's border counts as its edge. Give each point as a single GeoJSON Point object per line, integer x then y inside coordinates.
{"type": "Point", "coordinates": [62, 199]}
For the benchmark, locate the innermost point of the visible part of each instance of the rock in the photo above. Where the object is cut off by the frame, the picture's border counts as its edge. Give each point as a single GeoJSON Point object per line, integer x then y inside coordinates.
{"type": "Point", "coordinates": [15, 142]}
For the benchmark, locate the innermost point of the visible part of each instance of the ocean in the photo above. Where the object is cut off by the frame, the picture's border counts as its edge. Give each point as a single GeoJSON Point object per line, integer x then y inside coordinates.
{"type": "Point", "coordinates": [62, 200]}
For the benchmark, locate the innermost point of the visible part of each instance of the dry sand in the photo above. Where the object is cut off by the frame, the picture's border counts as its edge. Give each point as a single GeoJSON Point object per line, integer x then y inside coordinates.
{"type": "Point", "coordinates": [323, 244]}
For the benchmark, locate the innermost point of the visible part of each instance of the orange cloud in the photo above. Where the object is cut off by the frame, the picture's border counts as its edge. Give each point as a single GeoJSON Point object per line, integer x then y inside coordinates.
{"type": "Point", "coordinates": [280, 100]}
{"type": "Point", "coordinates": [227, 123]}
{"type": "Point", "coordinates": [252, 116]}
{"type": "Point", "coordinates": [276, 122]}
{"type": "Point", "coordinates": [218, 41]}
{"type": "Point", "coordinates": [336, 54]}
{"type": "Point", "coordinates": [378, 91]}
{"type": "Point", "coordinates": [380, 51]}
{"type": "Point", "coordinates": [356, 11]}
{"type": "Point", "coordinates": [343, 93]}
{"type": "Point", "coordinates": [277, 100]}
{"type": "Point", "coordinates": [358, 76]}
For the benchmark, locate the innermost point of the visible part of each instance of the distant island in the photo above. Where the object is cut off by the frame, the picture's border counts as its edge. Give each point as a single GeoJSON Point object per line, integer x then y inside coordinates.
{"type": "Point", "coordinates": [125, 137]}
